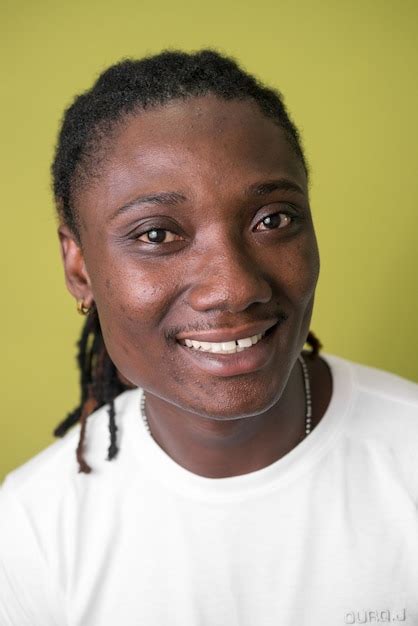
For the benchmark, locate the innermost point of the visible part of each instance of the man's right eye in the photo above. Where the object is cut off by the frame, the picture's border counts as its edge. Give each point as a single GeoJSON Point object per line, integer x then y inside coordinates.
{"type": "Point", "coordinates": [158, 235]}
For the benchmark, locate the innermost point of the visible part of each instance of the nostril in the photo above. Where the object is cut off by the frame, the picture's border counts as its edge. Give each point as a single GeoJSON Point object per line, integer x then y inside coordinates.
{"type": "Point", "coordinates": [217, 293]}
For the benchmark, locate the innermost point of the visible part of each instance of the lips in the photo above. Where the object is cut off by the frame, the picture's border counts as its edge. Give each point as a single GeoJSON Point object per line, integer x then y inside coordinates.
{"type": "Point", "coordinates": [249, 360]}
{"type": "Point", "coordinates": [221, 335]}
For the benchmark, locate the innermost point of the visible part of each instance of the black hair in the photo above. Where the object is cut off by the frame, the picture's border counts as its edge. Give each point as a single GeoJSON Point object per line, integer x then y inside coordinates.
{"type": "Point", "coordinates": [127, 88]}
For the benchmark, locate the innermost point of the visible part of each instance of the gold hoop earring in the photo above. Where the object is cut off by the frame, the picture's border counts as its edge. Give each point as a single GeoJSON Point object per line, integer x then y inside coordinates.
{"type": "Point", "coordinates": [82, 308]}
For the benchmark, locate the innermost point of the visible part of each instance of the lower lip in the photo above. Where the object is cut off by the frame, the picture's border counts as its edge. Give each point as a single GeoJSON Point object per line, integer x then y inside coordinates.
{"type": "Point", "coordinates": [249, 360]}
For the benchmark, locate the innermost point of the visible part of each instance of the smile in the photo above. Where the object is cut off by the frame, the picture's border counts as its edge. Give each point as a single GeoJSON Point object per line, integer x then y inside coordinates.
{"type": "Point", "coordinates": [226, 347]}
{"type": "Point", "coordinates": [235, 351]}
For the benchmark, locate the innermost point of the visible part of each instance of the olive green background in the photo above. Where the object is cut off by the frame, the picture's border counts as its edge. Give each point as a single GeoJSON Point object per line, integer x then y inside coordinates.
{"type": "Point", "coordinates": [348, 72]}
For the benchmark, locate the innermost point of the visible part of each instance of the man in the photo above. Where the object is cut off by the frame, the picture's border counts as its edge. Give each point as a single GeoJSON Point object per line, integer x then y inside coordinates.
{"type": "Point", "coordinates": [251, 482]}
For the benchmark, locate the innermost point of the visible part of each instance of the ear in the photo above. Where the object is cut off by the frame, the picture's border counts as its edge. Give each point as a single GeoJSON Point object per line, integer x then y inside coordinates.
{"type": "Point", "coordinates": [76, 276]}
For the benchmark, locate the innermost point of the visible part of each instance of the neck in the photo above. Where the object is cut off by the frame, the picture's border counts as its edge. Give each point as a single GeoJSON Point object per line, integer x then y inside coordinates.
{"type": "Point", "coordinates": [217, 448]}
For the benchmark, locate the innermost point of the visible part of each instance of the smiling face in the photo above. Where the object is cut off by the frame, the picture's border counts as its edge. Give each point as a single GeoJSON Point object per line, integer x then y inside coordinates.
{"type": "Point", "coordinates": [197, 225]}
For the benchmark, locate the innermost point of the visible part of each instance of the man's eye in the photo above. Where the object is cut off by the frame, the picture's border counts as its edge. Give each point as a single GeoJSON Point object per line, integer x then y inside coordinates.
{"type": "Point", "coordinates": [275, 220]}
{"type": "Point", "coordinates": [158, 235]}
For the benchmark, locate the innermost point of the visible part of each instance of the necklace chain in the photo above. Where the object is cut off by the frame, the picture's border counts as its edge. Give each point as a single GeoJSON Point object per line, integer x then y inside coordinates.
{"type": "Point", "coordinates": [308, 400]}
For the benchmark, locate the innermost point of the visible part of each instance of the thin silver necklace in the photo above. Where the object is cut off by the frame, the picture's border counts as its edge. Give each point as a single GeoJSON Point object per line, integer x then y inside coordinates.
{"type": "Point", "coordinates": [308, 400]}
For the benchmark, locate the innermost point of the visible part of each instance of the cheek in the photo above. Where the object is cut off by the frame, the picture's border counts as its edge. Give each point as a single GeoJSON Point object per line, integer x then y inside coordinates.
{"type": "Point", "coordinates": [131, 302]}
{"type": "Point", "coordinates": [310, 267]}
{"type": "Point", "coordinates": [298, 270]}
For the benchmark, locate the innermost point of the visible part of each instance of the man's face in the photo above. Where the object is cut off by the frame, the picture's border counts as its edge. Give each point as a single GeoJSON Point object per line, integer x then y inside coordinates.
{"type": "Point", "coordinates": [198, 220]}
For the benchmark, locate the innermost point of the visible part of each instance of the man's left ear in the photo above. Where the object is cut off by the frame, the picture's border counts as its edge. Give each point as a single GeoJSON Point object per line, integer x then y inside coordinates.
{"type": "Point", "coordinates": [76, 275]}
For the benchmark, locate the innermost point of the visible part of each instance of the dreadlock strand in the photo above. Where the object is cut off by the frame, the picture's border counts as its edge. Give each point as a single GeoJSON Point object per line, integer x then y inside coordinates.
{"type": "Point", "coordinates": [313, 341]}
{"type": "Point", "coordinates": [88, 408]}
{"type": "Point", "coordinates": [113, 448]}
{"type": "Point", "coordinates": [87, 346]}
{"type": "Point", "coordinates": [90, 337]}
{"type": "Point", "coordinates": [71, 419]}
{"type": "Point", "coordinates": [110, 391]}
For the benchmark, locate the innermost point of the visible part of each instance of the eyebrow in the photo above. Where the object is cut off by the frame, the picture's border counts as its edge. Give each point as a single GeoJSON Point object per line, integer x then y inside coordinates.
{"type": "Point", "coordinates": [165, 197]}
{"type": "Point", "coordinates": [174, 198]}
{"type": "Point", "coordinates": [263, 189]}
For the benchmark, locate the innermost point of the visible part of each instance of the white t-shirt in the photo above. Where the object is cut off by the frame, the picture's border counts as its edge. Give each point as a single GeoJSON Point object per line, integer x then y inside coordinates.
{"type": "Point", "coordinates": [325, 536]}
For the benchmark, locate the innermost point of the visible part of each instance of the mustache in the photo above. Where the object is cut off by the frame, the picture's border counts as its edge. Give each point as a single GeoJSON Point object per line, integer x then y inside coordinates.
{"type": "Point", "coordinates": [172, 332]}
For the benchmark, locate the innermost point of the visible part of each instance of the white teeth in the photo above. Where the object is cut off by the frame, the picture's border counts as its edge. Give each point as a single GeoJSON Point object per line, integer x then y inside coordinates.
{"type": "Point", "coordinates": [228, 345]}
{"type": "Point", "coordinates": [224, 347]}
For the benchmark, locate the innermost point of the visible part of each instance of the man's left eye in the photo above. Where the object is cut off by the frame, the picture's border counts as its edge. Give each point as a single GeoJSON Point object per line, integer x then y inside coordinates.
{"type": "Point", "coordinates": [275, 220]}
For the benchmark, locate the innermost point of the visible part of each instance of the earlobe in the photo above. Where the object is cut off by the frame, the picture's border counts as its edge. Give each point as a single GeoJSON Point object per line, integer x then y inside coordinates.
{"type": "Point", "coordinates": [76, 275]}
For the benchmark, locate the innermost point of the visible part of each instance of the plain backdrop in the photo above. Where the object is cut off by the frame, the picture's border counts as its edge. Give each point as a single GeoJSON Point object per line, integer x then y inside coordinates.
{"type": "Point", "coordinates": [348, 71]}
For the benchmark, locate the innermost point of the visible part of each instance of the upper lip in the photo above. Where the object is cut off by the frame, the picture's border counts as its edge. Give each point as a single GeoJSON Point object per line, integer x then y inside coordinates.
{"type": "Point", "coordinates": [219, 335]}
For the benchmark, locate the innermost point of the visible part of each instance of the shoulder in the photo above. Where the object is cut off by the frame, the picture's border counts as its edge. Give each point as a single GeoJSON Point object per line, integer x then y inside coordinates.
{"type": "Point", "coordinates": [385, 385]}
{"type": "Point", "coordinates": [382, 419]}
{"type": "Point", "coordinates": [49, 471]}
{"type": "Point", "coordinates": [382, 401]}
{"type": "Point", "coordinates": [381, 407]}
{"type": "Point", "coordinates": [380, 386]}
{"type": "Point", "coordinates": [43, 503]}
{"type": "Point", "coordinates": [388, 404]}
{"type": "Point", "coordinates": [380, 428]}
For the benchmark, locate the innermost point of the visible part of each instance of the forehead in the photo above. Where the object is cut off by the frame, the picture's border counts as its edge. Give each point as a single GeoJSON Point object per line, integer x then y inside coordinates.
{"type": "Point", "coordinates": [198, 146]}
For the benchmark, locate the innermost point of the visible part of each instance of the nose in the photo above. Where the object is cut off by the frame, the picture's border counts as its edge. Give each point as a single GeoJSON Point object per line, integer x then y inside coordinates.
{"type": "Point", "coordinates": [227, 277]}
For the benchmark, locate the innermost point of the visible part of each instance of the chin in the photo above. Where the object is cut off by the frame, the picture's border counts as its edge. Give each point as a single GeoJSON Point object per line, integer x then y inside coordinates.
{"type": "Point", "coordinates": [242, 398]}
